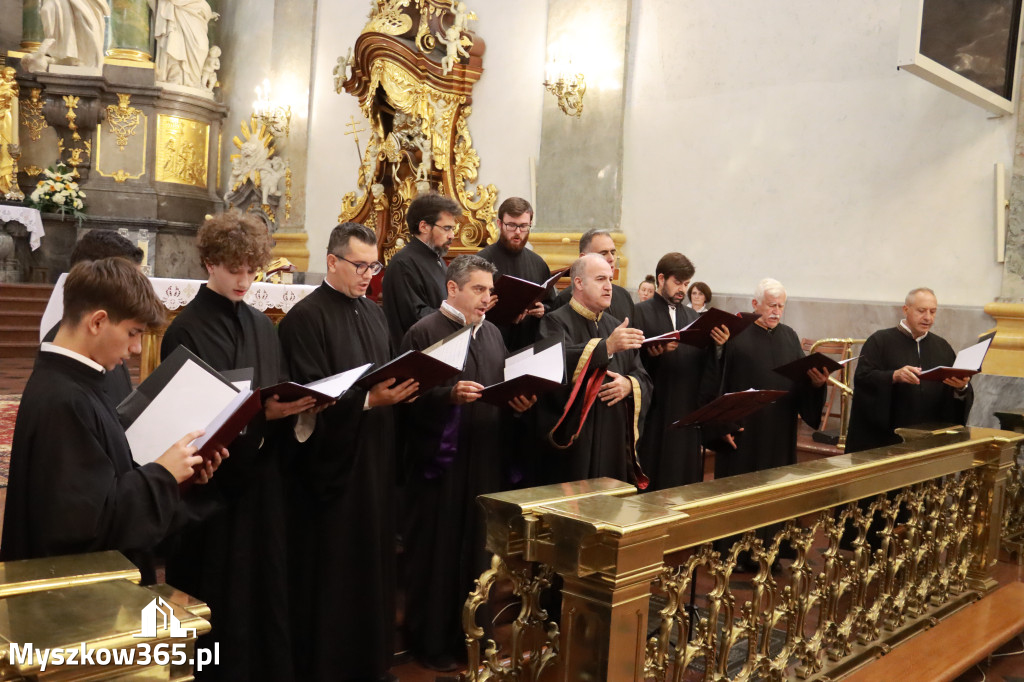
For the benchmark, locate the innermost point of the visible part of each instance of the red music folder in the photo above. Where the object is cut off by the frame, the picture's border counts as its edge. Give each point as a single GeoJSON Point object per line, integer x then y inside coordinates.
{"type": "Point", "coordinates": [730, 408]}
{"type": "Point", "coordinates": [536, 369]}
{"type": "Point", "coordinates": [698, 332]}
{"type": "Point", "coordinates": [968, 362]}
{"type": "Point", "coordinates": [323, 390]}
{"type": "Point", "coordinates": [797, 370]}
{"type": "Point", "coordinates": [430, 367]}
{"type": "Point", "coordinates": [516, 295]}
{"type": "Point", "coordinates": [227, 426]}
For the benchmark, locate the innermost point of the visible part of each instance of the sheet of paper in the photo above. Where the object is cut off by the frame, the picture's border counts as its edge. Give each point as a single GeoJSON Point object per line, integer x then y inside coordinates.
{"type": "Point", "coordinates": [453, 351]}
{"type": "Point", "coordinates": [243, 385]}
{"type": "Point", "coordinates": [972, 356]}
{"type": "Point", "coordinates": [219, 420]}
{"type": "Point", "coordinates": [339, 383]}
{"type": "Point", "coordinates": [547, 364]}
{"type": "Point", "coordinates": [188, 402]}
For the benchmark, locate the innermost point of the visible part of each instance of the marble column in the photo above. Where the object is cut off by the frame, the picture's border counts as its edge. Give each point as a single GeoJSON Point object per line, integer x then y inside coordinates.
{"type": "Point", "coordinates": [1006, 356]}
{"type": "Point", "coordinates": [579, 172]}
{"type": "Point", "coordinates": [130, 35]}
{"type": "Point", "coordinates": [31, 26]}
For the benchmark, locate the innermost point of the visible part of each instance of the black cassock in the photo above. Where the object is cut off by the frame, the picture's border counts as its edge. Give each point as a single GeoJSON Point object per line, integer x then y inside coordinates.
{"type": "Point", "coordinates": [622, 303]}
{"type": "Point", "coordinates": [236, 558]}
{"type": "Point", "coordinates": [414, 286]}
{"type": "Point", "coordinates": [343, 497]}
{"type": "Point", "coordinates": [73, 486]}
{"type": "Point", "coordinates": [117, 383]}
{"type": "Point", "coordinates": [605, 446]}
{"type": "Point", "coordinates": [525, 265]}
{"type": "Point", "coordinates": [458, 452]}
{"type": "Point", "coordinates": [880, 406]}
{"type": "Point", "coordinates": [768, 438]}
{"type": "Point", "coordinates": [684, 379]}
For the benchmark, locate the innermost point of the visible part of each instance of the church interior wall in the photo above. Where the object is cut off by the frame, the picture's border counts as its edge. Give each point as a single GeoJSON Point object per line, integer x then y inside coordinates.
{"type": "Point", "coordinates": [768, 139]}
{"type": "Point", "coordinates": [505, 123]}
{"type": "Point", "coordinates": [10, 27]}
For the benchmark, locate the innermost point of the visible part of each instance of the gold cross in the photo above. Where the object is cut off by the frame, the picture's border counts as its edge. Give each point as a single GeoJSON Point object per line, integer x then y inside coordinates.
{"type": "Point", "coordinates": [355, 130]}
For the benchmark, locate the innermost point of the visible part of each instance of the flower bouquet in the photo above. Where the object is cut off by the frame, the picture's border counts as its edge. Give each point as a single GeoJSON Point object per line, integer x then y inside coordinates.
{"type": "Point", "coordinates": [58, 192]}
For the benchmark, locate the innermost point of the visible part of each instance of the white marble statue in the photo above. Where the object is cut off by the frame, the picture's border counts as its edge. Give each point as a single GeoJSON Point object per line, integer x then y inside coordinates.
{"type": "Point", "coordinates": [182, 41]}
{"type": "Point", "coordinates": [76, 29]}
{"type": "Point", "coordinates": [210, 68]}
{"type": "Point", "coordinates": [271, 176]}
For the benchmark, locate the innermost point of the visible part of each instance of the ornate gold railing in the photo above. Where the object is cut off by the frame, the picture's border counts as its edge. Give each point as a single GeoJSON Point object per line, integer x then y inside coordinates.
{"type": "Point", "coordinates": [862, 577]}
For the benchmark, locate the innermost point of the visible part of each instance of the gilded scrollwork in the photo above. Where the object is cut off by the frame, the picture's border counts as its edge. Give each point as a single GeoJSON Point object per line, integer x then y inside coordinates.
{"type": "Point", "coordinates": [879, 572]}
{"type": "Point", "coordinates": [532, 627]}
{"type": "Point", "coordinates": [71, 102]}
{"type": "Point", "coordinates": [481, 204]}
{"type": "Point", "coordinates": [389, 18]}
{"type": "Point", "coordinates": [123, 119]}
{"type": "Point", "coordinates": [32, 117]}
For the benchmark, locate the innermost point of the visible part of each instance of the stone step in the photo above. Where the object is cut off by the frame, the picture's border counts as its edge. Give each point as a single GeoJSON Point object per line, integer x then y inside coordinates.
{"type": "Point", "coordinates": [19, 318]}
{"type": "Point", "coordinates": [26, 336]}
{"type": "Point", "coordinates": [17, 350]}
{"type": "Point", "coordinates": [23, 304]}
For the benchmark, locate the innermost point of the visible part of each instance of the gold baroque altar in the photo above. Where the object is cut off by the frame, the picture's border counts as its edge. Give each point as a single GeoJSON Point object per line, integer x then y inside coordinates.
{"type": "Point", "coordinates": [413, 68]}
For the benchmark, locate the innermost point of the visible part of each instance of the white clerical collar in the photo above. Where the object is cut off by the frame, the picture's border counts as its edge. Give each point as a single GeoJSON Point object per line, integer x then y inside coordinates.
{"type": "Point", "coordinates": [904, 327]}
{"type": "Point", "coordinates": [452, 313]}
{"type": "Point", "coordinates": [340, 292]}
{"type": "Point", "coordinates": [48, 347]}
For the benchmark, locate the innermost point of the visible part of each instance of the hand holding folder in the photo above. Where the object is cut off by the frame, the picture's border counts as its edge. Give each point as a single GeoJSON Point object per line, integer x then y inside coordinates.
{"type": "Point", "coordinates": [536, 369]}
{"type": "Point", "coordinates": [516, 295]}
{"type": "Point", "coordinates": [968, 362]}
{"type": "Point", "coordinates": [698, 332]}
{"type": "Point", "coordinates": [429, 368]}
{"type": "Point", "coordinates": [797, 370]}
{"type": "Point", "coordinates": [323, 391]}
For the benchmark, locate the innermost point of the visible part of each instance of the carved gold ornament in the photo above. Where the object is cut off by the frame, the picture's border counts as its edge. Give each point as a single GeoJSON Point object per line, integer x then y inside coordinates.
{"type": "Point", "coordinates": [32, 171]}
{"type": "Point", "coordinates": [32, 114]}
{"type": "Point", "coordinates": [389, 18]}
{"type": "Point", "coordinates": [120, 175]}
{"type": "Point", "coordinates": [72, 103]}
{"type": "Point", "coordinates": [182, 150]}
{"type": "Point", "coordinates": [123, 119]}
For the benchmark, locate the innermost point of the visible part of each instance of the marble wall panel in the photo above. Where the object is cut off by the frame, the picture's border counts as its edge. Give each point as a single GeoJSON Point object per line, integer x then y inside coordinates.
{"type": "Point", "coordinates": [993, 393]}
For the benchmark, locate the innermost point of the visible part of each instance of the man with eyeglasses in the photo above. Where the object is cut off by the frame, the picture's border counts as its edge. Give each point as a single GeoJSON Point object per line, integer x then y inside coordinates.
{"type": "Point", "coordinates": [601, 243]}
{"type": "Point", "coordinates": [414, 281]}
{"type": "Point", "coordinates": [512, 257]}
{"type": "Point", "coordinates": [343, 474]}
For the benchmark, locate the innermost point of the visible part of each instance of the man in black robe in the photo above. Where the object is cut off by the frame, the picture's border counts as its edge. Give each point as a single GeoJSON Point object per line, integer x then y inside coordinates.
{"type": "Point", "coordinates": [601, 243]}
{"type": "Point", "coordinates": [887, 391]}
{"type": "Point", "coordinates": [95, 245]}
{"type": "Point", "coordinates": [768, 438]}
{"type": "Point", "coordinates": [684, 378]}
{"type": "Point", "coordinates": [74, 487]}
{"type": "Point", "coordinates": [343, 499]}
{"type": "Point", "coordinates": [414, 279]}
{"type": "Point", "coordinates": [512, 257]}
{"type": "Point", "coordinates": [236, 557]}
{"type": "Point", "coordinates": [458, 448]}
{"type": "Point", "coordinates": [585, 444]}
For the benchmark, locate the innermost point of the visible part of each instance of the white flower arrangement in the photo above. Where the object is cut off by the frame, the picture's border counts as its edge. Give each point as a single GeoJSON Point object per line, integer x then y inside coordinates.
{"type": "Point", "coordinates": [58, 192]}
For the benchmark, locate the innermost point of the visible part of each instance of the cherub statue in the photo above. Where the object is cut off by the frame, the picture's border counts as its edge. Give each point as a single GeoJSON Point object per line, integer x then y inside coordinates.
{"type": "Point", "coordinates": [453, 41]}
{"type": "Point", "coordinates": [210, 68]}
{"type": "Point", "coordinates": [271, 175]}
{"type": "Point", "coordinates": [462, 16]}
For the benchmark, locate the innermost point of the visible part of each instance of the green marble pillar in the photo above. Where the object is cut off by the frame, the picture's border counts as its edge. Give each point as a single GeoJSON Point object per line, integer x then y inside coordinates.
{"type": "Point", "coordinates": [130, 36]}
{"type": "Point", "coordinates": [31, 25]}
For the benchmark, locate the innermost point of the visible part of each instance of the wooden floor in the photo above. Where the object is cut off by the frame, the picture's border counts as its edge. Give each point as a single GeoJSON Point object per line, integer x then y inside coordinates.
{"type": "Point", "coordinates": [1006, 666]}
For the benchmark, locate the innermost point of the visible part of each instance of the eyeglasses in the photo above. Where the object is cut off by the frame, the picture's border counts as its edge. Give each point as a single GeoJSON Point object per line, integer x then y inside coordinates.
{"type": "Point", "coordinates": [513, 227]}
{"type": "Point", "coordinates": [361, 268]}
{"type": "Point", "coordinates": [446, 228]}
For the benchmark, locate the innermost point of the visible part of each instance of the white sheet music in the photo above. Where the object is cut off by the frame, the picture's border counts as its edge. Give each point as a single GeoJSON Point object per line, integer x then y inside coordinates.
{"type": "Point", "coordinates": [972, 356]}
{"type": "Point", "coordinates": [454, 350]}
{"type": "Point", "coordinates": [224, 415]}
{"type": "Point", "coordinates": [334, 386]}
{"type": "Point", "coordinates": [547, 364]}
{"type": "Point", "coordinates": [189, 401]}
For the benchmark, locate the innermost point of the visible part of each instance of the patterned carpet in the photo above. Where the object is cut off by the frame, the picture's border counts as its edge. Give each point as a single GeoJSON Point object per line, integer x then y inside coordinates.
{"type": "Point", "coordinates": [8, 411]}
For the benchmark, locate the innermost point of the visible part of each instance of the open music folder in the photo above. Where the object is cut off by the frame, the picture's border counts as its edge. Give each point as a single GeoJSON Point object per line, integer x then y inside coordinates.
{"type": "Point", "coordinates": [698, 332]}
{"type": "Point", "coordinates": [323, 390]}
{"type": "Point", "coordinates": [430, 367]}
{"type": "Point", "coordinates": [184, 394]}
{"type": "Point", "coordinates": [516, 295]}
{"type": "Point", "coordinates": [730, 408]}
{"type": "Point", "coordinates": [968, 362]}
{"type": "Point", "coordinates": [531, 371]}
{"type": "Point", "coordinates": [797, 370]}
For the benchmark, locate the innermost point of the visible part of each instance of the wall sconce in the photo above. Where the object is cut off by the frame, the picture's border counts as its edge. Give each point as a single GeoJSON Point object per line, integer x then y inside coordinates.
{"type": "Point", "coordinates": [276, 116]}
{"type": "Point", "coordinates": [566, 86]}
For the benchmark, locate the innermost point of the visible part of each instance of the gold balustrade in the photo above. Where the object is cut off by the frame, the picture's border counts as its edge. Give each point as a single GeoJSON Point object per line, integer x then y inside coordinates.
{"type": "Point", "coordinates": [924, 546]}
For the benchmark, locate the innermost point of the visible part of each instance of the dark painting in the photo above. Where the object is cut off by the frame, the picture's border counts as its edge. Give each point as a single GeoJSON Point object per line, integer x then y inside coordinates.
{"type": "Point", "coordinates": [975, 38]}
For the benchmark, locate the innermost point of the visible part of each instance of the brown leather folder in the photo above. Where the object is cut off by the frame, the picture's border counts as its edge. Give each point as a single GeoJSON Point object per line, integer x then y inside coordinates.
{"type": "Point", "coordinates": [516, 295]}
{"type": "Point", "coordinates": [797, 370]}
{"type": "Point", "coordinates": [698, 332]}
{"type": "Point", "coordinates": [730, 408]}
